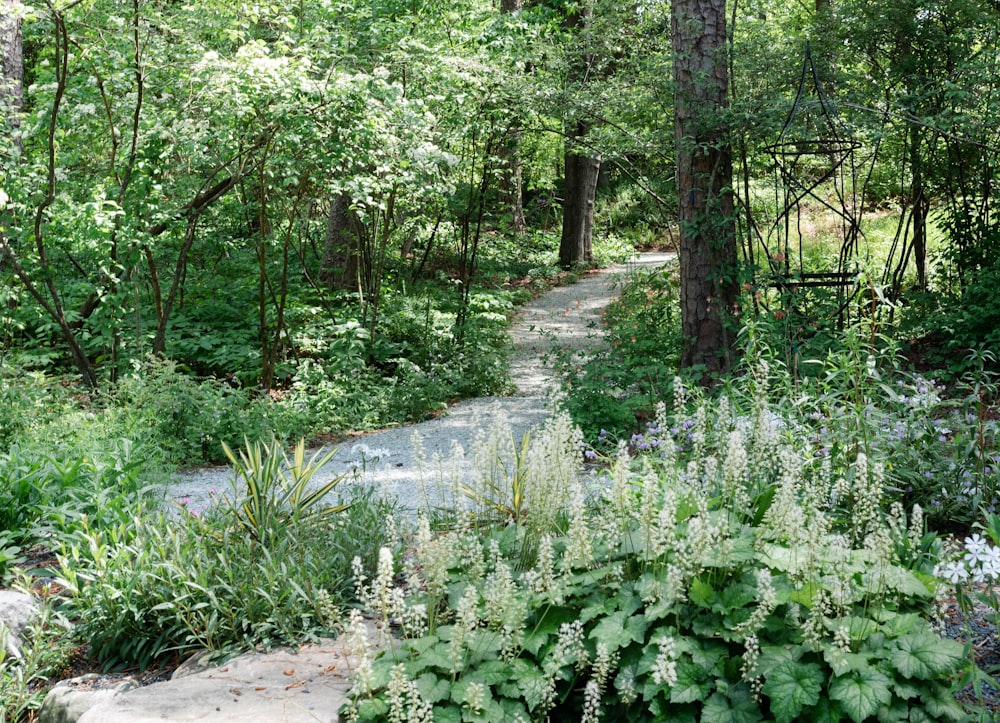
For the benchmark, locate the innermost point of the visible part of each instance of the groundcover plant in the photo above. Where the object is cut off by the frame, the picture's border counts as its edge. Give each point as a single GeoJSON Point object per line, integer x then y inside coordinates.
{"type": "Point", "coordinates": [728, 574]}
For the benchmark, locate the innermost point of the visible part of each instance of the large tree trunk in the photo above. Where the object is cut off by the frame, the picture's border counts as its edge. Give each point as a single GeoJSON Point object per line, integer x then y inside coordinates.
{"type": "Point", "coordinates": [339, 266]}
{"type": "Point", "coordinates": [576, 244]}
{"type": "Point", "coordinates": [708, 260]}
{"type": "Point", "coordinates": [581, 168]}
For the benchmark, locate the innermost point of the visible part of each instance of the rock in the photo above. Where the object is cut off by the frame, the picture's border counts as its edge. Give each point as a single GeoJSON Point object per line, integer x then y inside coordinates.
{"type": "Point", "coordinates": [70, 699]}
{"type": "Point", "coordinates": [282, 686]}
{"type": "Point", "coordinates": [16, 612]}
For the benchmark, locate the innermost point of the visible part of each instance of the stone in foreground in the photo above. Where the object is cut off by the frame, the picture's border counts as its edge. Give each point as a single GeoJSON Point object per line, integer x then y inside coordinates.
{"type": "Point", "coordinates": [283, 686]}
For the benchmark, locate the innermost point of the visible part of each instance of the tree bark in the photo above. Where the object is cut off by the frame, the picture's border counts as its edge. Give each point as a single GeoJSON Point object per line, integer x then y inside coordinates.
{"type": "Point", "coordinates": [581, 168]}
{"type": "Point", "coordinates": [339, 265]}
{"type": "Point", "coordinates": [580, 187]}
{"type": "Point", "coordinates": [708, 259]}
{"type": "Point", "coordinates": [511, 186]}
{"type": "Point", "coordinates": [12, 83]}
{"type": "Point", "coordinates": [921, 208]}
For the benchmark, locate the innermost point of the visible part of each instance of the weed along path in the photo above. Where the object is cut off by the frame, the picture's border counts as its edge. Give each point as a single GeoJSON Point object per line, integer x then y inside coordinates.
{"type": "Point", "coordinates": [566, 318]}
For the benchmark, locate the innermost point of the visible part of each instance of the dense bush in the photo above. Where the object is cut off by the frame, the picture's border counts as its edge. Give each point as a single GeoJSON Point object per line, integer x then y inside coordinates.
{"type": "Point", "coordinates": [733, 574]}
{"type": "Point", "coordinates": [48, 494]}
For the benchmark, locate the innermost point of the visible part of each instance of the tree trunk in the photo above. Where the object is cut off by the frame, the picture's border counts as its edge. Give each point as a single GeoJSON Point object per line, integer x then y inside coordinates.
{"type": "Point", "coordinates": [708, 259]}
{"type": "Point", "coordinates": [339, 266]}
{"type": "Point", "coordinates": [511, 187]}
{"type": "Point", "coordinates": [581, 169]}
{"type": "Point", "coordinates": [12, 83]}
{"type": "Point", "coordinates": [580, 187]}
{"type": "Point", "coordinates": [921, 208]}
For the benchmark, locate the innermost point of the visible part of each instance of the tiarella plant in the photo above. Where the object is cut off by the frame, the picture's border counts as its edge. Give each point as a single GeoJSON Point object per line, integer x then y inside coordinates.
{"type": "Point", "coordinates": [732, 574]}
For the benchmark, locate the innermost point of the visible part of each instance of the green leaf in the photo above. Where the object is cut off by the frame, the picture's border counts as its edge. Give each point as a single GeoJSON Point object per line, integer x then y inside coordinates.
{"type": "Point", "coordinates": [924, 655]}
{"type": "Point", "coordinates": [493, 672]}
{"type": "Point", "coordinates": [896, 624]}
{"type": "Point", "coordinates": [841, 662]}
{"type": "Point", "coordinates": [372, 709]}
{"type": "Point", "coordinates": [445, 714]}
{"type": "Point", "coordinates": [904, 689]}
{"type": "Point", "coordinates": [432, 688]}
{"type": "Point", "coordinates": [692, 683]}
{"type": "Point", "coordinates": [861, 693]}
{"type": "Point", "coordinates": [618, 631]}
{"type": "Point", "coordinates": [701, 593]}
{"type": "Point", "coordinates": [827, 711]}
{"type": "Point", "coordinates": [791, 686]}
{"type": "Point", "coordinates": [941, 705]}
{"type": "Point", "coordinates": [737, 708]}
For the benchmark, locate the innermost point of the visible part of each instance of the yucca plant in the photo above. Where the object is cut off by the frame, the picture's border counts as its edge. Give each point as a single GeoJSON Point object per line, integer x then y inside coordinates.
{"type": "Point", "coordinates": [275, 490]}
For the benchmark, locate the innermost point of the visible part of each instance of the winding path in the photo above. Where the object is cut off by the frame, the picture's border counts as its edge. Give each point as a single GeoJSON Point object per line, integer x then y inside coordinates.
{"type": "Point", "coordinates": [567, 317]}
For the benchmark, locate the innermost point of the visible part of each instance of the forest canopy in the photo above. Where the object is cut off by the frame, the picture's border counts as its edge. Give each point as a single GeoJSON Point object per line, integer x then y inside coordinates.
{"type": "Point", "coordinates": [288, 195]}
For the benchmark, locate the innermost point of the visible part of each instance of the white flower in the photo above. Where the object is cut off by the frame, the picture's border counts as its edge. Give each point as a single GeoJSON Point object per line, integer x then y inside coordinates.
{"type": "Point", "coordinates": [954, 572]}
{"type": "Point", "coordinates": [991, 565]}
{"type": "Point", "coordinates": [977, 549]}
{"type": "Point", "coordinates": [665, 667]}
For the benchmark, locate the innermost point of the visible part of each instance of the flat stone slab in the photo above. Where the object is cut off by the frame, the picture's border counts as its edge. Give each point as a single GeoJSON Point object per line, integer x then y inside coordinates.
{"type": "Point", "coordinates": [284, 686]}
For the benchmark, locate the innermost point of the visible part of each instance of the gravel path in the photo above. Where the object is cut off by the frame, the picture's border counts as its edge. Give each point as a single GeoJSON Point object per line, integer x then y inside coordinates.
{"type": "Point", "coordinates": [567, 317]}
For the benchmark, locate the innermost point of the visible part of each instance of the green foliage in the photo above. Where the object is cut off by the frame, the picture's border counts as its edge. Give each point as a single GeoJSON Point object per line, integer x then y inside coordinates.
{"type": "Point", "coordinates": [941, 327]}
{"type": "Point", "coordinates": [46, 650]}
{"type": "Point", "coordinates": [730, 575]}
{"type": "Point", "coordinates": [188, 419]}
{"type": "Point", "coordinates": [936, 442]}
{"type": "Point", "coordinates": [28, 400]}
{"type": "Point", "coordinates": [614, 391]}
{"type": "Point", "coordinates": [271, 492]}
{"type": "Point", "coordinates": [163, 584]}
{"type": "Point", "coordinates": [47, 496]}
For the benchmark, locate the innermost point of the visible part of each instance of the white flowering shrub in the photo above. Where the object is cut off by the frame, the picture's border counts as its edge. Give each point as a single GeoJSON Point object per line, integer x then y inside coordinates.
{"type": "Point", "coordinates": [729, 575]}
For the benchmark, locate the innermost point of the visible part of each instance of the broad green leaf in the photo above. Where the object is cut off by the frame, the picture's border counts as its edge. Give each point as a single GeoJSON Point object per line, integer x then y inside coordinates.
{"type": "Point", "coordinates": [739, 708]}
{"type": "Point", "coordinates": [904, 689]}
{"type": "Point", "coordinates": [827, 711]}
{"type": "Point", "coordinates": [618, 631]}
{"type": "Point", "coordinates": [493, 672]}
{"type": "Point", "coordinates": [941, 705]}
{"type": "Point", "coordinates": [435, 657]}
{"type": "Point", "coordinates": [692, 683]}
{"type": "Point", "coordinates": [898, 711]}
{"type": "Point", "coordinates": [897, 579]}
{"type": "Point", "coordinates": [841, 662]}
{"type": "Point", "coordinates": [701, 593]}
{"type": "Point", "coordinates": [924, 655]}
{"type": "Point", "coordinates": [861, 693]}
{"type": "Point", "coordinates": [432, 688]}
{"type": "Point", "coordinates": [372, 709]}
{"type": "Point", "coordinates": [791, 686]}
{"type": "Point", "coordinates": [445, 714]}
{"type": "Point", "coordinates": [896, 624]}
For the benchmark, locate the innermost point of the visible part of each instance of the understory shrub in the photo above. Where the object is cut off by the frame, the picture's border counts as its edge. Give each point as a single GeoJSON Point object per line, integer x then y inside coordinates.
{"type": "Point", "coordinates": [188, 418]}
{"type": "Point", "coordinates": [48, 494]}
{"type": "Point", "coordinates": [936, 444]}
{"type": "Point", "coordinates": [730, 574]}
